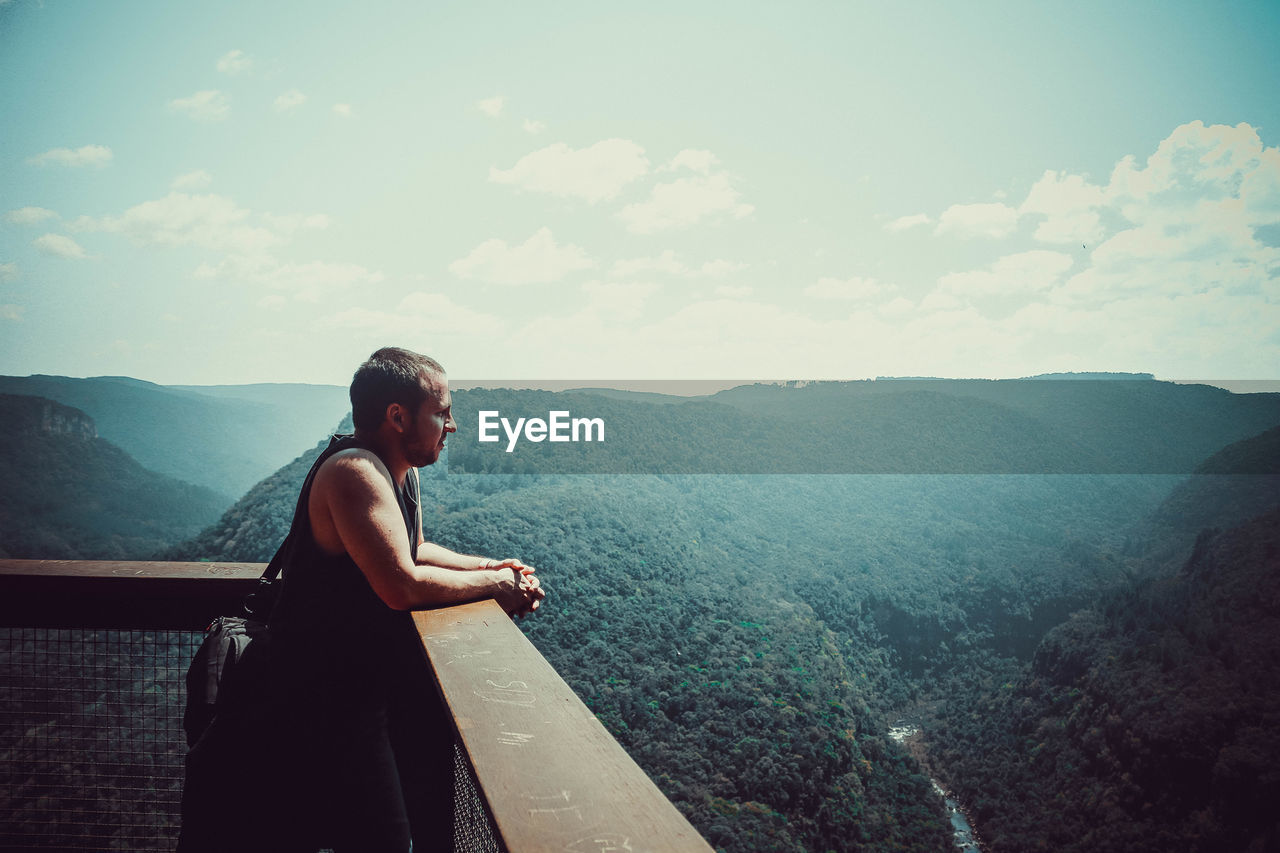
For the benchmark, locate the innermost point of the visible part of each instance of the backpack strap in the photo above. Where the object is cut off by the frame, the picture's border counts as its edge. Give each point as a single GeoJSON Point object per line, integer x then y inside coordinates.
{"type": "Point", "coordinates": [259, 603]}
{"type": "Point", "coordinates": [414, 489]}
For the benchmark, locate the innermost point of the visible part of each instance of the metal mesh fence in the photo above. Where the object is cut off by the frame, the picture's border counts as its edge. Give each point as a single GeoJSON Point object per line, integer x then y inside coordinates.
{"type": "Point", "coordinates": [92, 748]}
{"type": "Point", "coordinates": [472, 828]}
{"type": "Point", "coordinates": [91, 743]}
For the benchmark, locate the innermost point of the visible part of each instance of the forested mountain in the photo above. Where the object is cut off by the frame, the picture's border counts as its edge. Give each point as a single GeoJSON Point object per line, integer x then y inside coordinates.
{"type": "Point", "coordinates": [749, 637]}
{"type": "Point", "coordinates": [942, 426]}
{"type": "Point", "coordinates": [65, 493]}
{"type": "Point", "coordinates": [1116, 425]}
{"type": "Point", "coordinates": [1239, 482]}
{"type": "Point", "coordinates": [255, 525]}
{"type": "Point", "coordinates": [1148, 721]}
{"type": "Point", "coordinates": [225, 438]}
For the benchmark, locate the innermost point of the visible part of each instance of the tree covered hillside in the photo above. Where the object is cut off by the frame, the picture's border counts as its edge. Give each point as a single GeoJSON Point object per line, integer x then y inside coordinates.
{"type": "Point", "coordinates": [1148, 720]}
{"type": "Point", "coordinates": [745, 637]}
{"type": "Point", "coordinates": [255, 525]}
{"type": "Point", "coordinates": [1238, 482]}
{"type": "Point", "coordinates": [749, 638]}
{"type": "Point", "coordinates": [67, 494]}
{"type": "Point", "coordinates": [1150, 723]}
{"type": "Point", "coordinates": [1123, 424]}
{"type": "Point", "coordinates": [225, 438]}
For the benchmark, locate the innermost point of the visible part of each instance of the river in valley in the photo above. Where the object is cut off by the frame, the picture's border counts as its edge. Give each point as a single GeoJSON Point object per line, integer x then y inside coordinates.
{"type": "Point", "coordinates": [963, 835]}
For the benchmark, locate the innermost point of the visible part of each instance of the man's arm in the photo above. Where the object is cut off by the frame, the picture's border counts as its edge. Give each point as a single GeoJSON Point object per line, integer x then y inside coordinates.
{"type": "Point", "coordinates": [431, 554]}
{"type": "Point", "coordinates": [353, 509]}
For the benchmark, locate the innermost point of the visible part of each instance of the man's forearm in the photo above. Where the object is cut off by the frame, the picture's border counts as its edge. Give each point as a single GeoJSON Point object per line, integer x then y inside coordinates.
{"type": "Point", "coordinates": [432, 586]}
{"type": "Point", "coordinates": [431, 554]}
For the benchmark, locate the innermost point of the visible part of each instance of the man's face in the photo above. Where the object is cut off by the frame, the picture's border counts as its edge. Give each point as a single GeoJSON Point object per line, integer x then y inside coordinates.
{"type": "Point", "coordinates": [430, 424]}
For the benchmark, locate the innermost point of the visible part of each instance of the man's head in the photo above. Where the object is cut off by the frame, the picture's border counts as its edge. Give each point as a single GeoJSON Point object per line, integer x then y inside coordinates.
{"type": "Point", "coordinates": [408, 394]}
{"type": "Point", "coordinates": [390, 375]}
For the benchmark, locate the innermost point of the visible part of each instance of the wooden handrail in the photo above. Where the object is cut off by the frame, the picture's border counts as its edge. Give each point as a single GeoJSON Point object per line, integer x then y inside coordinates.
{"type": "Point", "coordinates": [552, 776]}
{"type": "Point", "coordinates": [119, 594]}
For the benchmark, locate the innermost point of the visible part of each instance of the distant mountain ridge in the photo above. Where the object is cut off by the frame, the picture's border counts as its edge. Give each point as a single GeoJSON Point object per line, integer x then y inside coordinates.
{"type": "Point", "coordinates": [1114, 425]}
{"type": "Point", "coordinates": [1150, 723]}
{"type": "Point", "coordinates": [742, 635]}
{"type": "Point", "coordinates": [21, 415]}
{"type": "Point", "coordinates": [1149, 720]}
{"type": "Point", "coordinates": [255, 525]}
{"type": "Point", "coordinates": [67, 494]}
{"type": "Point", "coordinates": [225, 438]}
{"type": "Point", "coordinates": [1119, 425]}
{"type": "Point", "coordinates": [1233, 485]}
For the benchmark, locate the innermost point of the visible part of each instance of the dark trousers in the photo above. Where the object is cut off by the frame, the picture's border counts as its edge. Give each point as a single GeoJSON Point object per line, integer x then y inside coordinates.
{"type": "Point", "coordinates": [355, 756]}
{"type": "Point", "coordinates": [369, 766]}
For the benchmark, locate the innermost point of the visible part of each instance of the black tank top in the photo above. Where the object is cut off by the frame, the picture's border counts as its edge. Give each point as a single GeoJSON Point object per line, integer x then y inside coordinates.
{"type": "Point", "coordinates": [326, 607]}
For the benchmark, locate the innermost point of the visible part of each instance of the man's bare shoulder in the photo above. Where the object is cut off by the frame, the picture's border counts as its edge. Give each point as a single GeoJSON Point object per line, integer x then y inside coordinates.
{"type": "Point", "coordinates": [352, 469]}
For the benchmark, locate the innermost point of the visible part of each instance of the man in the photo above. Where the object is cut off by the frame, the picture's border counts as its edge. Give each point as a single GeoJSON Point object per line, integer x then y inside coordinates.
{"type": "Point", "coordinates": [364, 756]}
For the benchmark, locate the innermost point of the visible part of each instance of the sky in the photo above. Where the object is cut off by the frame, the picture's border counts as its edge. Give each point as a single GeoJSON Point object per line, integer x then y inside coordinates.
{"type": "Point", "coordinates": [244, 192]}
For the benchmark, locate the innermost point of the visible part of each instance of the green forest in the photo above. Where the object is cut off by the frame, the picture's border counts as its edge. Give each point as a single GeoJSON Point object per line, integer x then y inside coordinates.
{"type": "Point", "coordinates": [1070, 588]}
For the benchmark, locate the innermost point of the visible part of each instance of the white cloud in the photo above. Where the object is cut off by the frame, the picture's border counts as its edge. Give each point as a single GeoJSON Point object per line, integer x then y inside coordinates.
{"type": "Point", "coordinates": [9, 311]}
{"type": "Point", "coordinates": [305, 282]}
{"type": "Point", "coordinates": [492, 107]}
{"type": "Point", "coordinates": [1194, 162]}
{"type": "Point", "coordinates": [1181, 278]}
{"type": "Point", "coordinates": [720, 267]}
{"type": "Point", "coordinates": [684, 202]}
{"type": "Point", "coordinates": [9, 272]}
{"type": "Point", "coordinates": [289, 100]}
{"type": "Point", "coordinates": [342, 110]}
{"type": "Point", "coordinates": [594, 173]}
{"type": "Point", "coordinates": [939, 300]}
{"type": "Point", "coordinates": [533, 126]}
{"type": "Point", "coordinates": [206, 105]}
{"type": "Point", "coordinates": [622, 301]}
{"type": "Point", "coordinates": [902, 223]}
{"type": "Point", "coordinates": [899, 306]}
{"type": "Point", "coordinates": [978, 220]}
{"type": "Point", "coordinates": [29, 215]}
{"type": "Point", "coordinates": [696, 160]}
{"type": "Point", "coordinates": [314, 279]}
{"type": "Point", "coordinates": [87, 155]}
{"type": "Point", "coordinates": [849, 289]}
{"type": "Point", "coordinates": [179, 219]}
{"type": "Point", "coordinates": [664, 263]}
{"type": "Point", "coordinates": [234, 62]}
{"type": "Point", "coordinates": [668, 264]}
{"type": "Point", "coordinates": [1187, 220]}
{"type": "Point", "coordinates": [726, 291]}
{"type": "Point", "coordinates": [1260, 189]}
{"type": "Point", "coordinates": [1197, 167]}
{"type": "Point", "coordinates": [291, 222]}
{"type": "Point", "coordinates": [1070, 205]}
{"type": "Point", "coordinates": [1024, 273]}
{"type": "Point", "coordinates": [59, 246]}
{"type": "Point", "coordinates": [197, 180]}
{"type": "Point", "coordinates": [537, 260]}
{"type": "Point", "coordinates": [416, 312]}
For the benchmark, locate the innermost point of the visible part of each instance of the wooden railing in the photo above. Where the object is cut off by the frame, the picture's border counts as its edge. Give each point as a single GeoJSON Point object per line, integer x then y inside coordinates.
{"type": "Point", "coordinates": [548, 774]}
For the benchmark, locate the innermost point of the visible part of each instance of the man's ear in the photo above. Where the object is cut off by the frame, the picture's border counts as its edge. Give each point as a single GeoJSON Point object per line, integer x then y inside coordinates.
{"type": "Point", "coordinates": [397, 415]}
